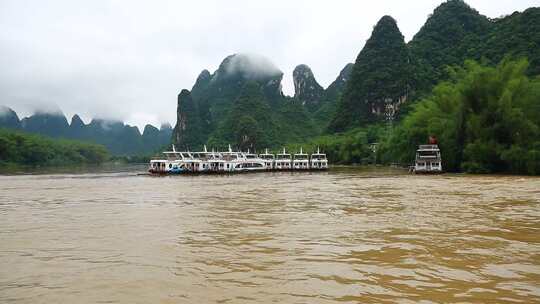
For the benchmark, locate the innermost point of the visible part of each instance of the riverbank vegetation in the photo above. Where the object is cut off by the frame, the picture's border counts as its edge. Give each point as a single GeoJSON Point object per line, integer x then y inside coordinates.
{"type": "Point", "coordinates": [356, 146]}
{"type": "Point", "coordinates": [487, 120]}
{"type": "Point", "coordinates": [32, 150]}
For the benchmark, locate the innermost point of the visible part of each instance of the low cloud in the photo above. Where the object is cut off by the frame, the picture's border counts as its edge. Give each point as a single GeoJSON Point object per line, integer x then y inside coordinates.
{"type": "Point", "coordinates": [252, 66]}
{"type": "Point", "coordinates": [3, 110]}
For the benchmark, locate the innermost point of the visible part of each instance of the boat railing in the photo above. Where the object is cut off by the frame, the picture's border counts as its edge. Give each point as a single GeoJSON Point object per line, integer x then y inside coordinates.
{"type": "Point", "coordinates": [318, 156]}
{"type": "Point", "coordinates": [428, 147]}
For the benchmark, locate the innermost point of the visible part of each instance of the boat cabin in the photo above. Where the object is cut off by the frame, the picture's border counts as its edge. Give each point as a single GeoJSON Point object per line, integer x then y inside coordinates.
{"type": "Point", "coordinates": [268, 159]}
{"type": "Point", "coordinates": [301, 161]}
{"type": "Point", "coordinates": [318, 161]}
{"type": "Point", "coordinates": [428, 159]}
{"type": "Point", "coordinates": [283, 160]}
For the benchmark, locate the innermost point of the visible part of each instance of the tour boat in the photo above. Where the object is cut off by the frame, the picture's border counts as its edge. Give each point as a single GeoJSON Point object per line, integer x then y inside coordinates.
{"type": "Point", "coordinates": [251, 162]}
{"type": "Point", "coordinates": [428, 159]}
{"type": "Point", "coordinates": [318, 161]}
{"type": "Point", "coordinates": [301, 161]}
{"type": "Point", "coordinates": [182, 162]}
{"type": "Point", "coordinates": [268, 159]}
{"type": "Point", "coordinates": [283, 161]}
{"type": "Point", "coordinates": [233, 160]}
{"type": "Point", "coordinates": [173, 162]}
{"type": "Point", "coordinates": [201, 160]}
{"type": "Point", "coordinates": [214, 161]}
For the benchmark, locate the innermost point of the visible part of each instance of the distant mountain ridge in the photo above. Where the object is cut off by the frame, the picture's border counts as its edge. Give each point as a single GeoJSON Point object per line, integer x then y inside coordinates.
{"type": "Point", "coordinates": [117, 137]}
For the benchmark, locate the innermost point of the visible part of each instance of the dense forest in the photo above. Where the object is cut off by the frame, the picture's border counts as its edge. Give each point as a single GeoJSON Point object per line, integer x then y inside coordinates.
{"type": "Point", "coordinates": [487, 119]}
{"type": "Point", "coordinates": [24, 149]}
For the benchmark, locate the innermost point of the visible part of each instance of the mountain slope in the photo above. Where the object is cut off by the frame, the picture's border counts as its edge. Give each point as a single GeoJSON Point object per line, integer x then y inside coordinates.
{"type": "Point", "coordinates": [453, 33]}
{"type": "Point", "coordinates": [8, 118]}
{"type": "Point", "coordinates": [188, 129]}
{"type": "Point", "coordinates": [307, 91]}
{"type": "Point", "coordinates": [379, 79]}
{"type": "Point", "coordinates": [219, 97]}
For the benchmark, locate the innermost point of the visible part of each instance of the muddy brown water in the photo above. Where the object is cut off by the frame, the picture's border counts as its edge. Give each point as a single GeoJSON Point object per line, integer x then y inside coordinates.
{"type": "Point", "coordinates": [343, 236]}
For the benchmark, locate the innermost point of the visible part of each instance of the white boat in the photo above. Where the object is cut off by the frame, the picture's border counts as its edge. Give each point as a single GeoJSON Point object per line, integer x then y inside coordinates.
{"type": "Point", "coordinates": [318, 161]}
{"type": "Point", "coordinates": [232, 160]}
{"type": "Point", "coordinates": [301, 161]}
{"type": "Point", "coordinates": [216, 162]}
{"type": "Point", "coordinates": [428, 159]}
{"type": "Point", "coordinates": [283, 161]}
{"type": "Point", "coordinates": [251, 162]}
{"type": "Point", "coordinates": [201, 161]}
{"type": "Point", "coordinates": [179, 162]}
{"type": "Point", "coordinates": [268, 160]}
{"type": "Point", "coordinates": [172, 162]}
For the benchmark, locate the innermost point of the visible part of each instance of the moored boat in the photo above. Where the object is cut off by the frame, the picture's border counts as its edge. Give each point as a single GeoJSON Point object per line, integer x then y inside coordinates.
{"type": "Point", "coordinates": [251, 162]}
{"type": "Point", "coordinates": [428, 158]}
{"type": "Point", "coordinates": [283, 161]}
{"type": "Point", "coordinates": [268, 160]}
{"type": "Point", "coordinates": [318, 161]}
{"type": "Point", "coordinates": [172, 162]}
{"type": "Point", "coordinates": [183, 162]}
{"type": "Point", "coordinates": [301, 161]}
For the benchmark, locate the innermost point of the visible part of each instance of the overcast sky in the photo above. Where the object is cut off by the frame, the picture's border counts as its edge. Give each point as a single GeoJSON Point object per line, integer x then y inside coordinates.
{"type": "Point", "coordinates": [128, 60]}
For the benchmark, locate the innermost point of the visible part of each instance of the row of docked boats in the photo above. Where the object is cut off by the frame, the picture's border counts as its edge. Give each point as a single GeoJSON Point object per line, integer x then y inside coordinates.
{"type": "Point", "coordinates": [180, 162]}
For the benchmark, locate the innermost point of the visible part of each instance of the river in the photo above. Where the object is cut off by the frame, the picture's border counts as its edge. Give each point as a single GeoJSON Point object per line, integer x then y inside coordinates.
{"type": "Point", "coordinates": [349, 235]}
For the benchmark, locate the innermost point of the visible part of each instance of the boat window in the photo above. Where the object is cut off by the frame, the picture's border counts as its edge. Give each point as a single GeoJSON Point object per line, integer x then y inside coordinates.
{"type": "Point", "coordinates": [428, 153]}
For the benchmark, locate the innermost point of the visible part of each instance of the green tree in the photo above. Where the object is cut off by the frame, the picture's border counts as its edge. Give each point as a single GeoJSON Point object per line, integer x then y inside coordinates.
{"type": "Point", "coordinates": [36, 150]}
{"type": "Point", "coordinates": [486, 119]}
{"type": "Point", "coordinates": [379, 78]}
